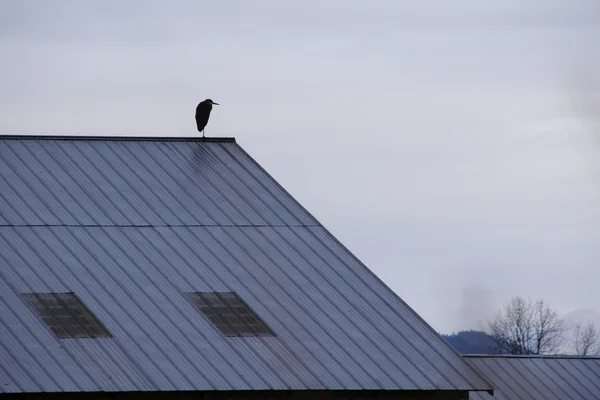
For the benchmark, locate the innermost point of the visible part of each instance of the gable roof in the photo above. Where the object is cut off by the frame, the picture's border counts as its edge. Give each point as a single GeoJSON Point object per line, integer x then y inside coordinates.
{"type": "Point", "coordinates": [539, 377]}
{"type": "Point", "coordinates": [132, 224]}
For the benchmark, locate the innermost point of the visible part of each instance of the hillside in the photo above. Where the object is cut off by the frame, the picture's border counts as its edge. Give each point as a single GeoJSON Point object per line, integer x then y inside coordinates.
{"type": "Point", "coordinates": [471, 342]}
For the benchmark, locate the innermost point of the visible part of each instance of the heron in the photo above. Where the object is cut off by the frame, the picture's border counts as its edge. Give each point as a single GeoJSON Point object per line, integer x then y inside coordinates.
{"type": "Point", "coordinates": [203, 113]}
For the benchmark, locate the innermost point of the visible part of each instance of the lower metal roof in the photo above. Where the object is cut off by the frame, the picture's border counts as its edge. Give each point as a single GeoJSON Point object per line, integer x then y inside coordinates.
{"type": "Point", "coordinates": [539, 377]}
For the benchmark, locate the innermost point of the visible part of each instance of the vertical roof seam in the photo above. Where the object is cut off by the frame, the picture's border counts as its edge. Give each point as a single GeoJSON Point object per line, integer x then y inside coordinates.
{"type": "Point", "coordinates": [250, 190]}
{"type": "Point", "coordinates": [120, 176]}
{"type": "Point", "coordinates": [340, 293]}
{"type": "Point", "coordinates": [131, 317]}
{"type": "Point", "coordinates": [372, 307]}
{"type": "Point", "coordinates": [43, 184]}
{"type": "Point", "coordinates": [596, 383]}
{"type": "Point", "coordinates": [303, 308]}
{"type": "Point", "coordinates": [234, 349]}
{"type": "Point", "coordinates": [95, 297]}
{"type": "Point", "coordinates": [223, 281]}
{"type": "Point", "coordinates": [394, 310]}
{"type": "Point", "coordinates": [243, 182]}
{"type": "Point", "coordinates": [51, 172]}
{"type": "Point", "coordinates": [316, 305]}
{"type": "Point", "coordinates": [14, 381]}
{"type": "Point", "coordinates": [35, 335]}
{"type": "Point", "coordinates": [156, 322]}
{"type": "Point", "coordinates": [97, 203]}
{"type": "Point", "coordinates": [534, 367]}
{"type": "Point", "coordinates": [275, 183]}
{"type": "Point", "coordinates": [156, 179]}
{"type": "Point", "coordinates": [123, 200]}
{"type": "Point", "coordinates": [267, 291]}
{"type": "Point", "coordinates": [566, 370]}
{"type": "Point", "coordinates": [203, 193]}
{"type": "Point", "coordinates": [518, 364]}
{"type": "Point", "coordinates": [494, 373]}
{"type": "Point", "coordinates": [180, 293]}
{"type": "Point", "coordinates": [63, 283]}
{"type": "Point", "coordinates": [509, 373]}
{"type": "Point", "coordinates": [10, 353]}
{"type": "Point", "coordinates": [6, 202]}
{"type": "Point", "coordinates": [208, 179]}
{"type": "Point", "coordinates": [22, 198]}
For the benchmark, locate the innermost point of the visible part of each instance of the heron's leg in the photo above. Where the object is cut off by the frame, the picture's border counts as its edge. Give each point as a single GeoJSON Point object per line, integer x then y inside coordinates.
{"type": "Point", "coordinates": [202, 132]}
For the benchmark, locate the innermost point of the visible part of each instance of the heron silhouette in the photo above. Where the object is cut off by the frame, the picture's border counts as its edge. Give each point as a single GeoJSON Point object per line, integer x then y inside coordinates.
{"type": "Point", "coordinates": [203, 113]}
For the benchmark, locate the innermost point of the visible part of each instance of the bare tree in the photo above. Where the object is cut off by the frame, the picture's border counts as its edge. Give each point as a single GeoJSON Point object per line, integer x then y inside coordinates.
{"type": "Point", "coordinates": [587, 340]}
{"type": "Point", "coordinates": [523, 327]}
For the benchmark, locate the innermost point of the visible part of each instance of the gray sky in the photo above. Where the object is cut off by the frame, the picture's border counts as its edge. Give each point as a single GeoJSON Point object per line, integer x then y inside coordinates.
{"type": "Point", "coordinates": [450, 145]}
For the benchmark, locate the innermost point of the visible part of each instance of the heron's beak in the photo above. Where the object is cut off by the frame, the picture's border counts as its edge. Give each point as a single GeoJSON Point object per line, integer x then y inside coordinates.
{"type": "Point", "coordinates": [216, 104]}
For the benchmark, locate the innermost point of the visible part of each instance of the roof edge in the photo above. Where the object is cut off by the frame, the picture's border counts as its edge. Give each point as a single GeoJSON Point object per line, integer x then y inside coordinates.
{"type": "Point", "coordinates": [537, 356]}
{"type": "Point", "coordinates": [120, 138]}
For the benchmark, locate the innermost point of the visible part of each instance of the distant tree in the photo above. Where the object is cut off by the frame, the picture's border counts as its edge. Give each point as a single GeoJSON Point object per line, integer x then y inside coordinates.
{"type": "Point", "coordinates": [523, 327]}
{"type": "Point", "coordinates": [587, 340]}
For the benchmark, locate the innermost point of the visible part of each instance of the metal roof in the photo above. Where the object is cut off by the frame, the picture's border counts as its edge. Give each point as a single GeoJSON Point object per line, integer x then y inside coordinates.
{"type": "Point", "coordinates": [539, 377]}
{"type": "Point", "coordinates": [130, 225]}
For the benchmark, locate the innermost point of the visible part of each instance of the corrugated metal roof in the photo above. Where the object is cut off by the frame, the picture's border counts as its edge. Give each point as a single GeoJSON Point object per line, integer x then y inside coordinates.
{"type": "Point", "coordinates": [131, 225]}
{"type": "Point", "coordinates": [539, 377]}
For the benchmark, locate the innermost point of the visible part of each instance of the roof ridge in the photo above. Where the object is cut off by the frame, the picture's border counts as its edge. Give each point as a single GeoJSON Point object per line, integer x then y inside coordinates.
{"type": "Point", "coordinates": [120, 138]}
{"type": "Point", "coordinates": [191, 225]}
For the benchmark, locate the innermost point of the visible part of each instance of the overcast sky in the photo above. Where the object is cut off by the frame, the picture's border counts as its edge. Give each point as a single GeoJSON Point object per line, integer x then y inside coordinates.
{"type": "Point", "coordinates": [449, 144]}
